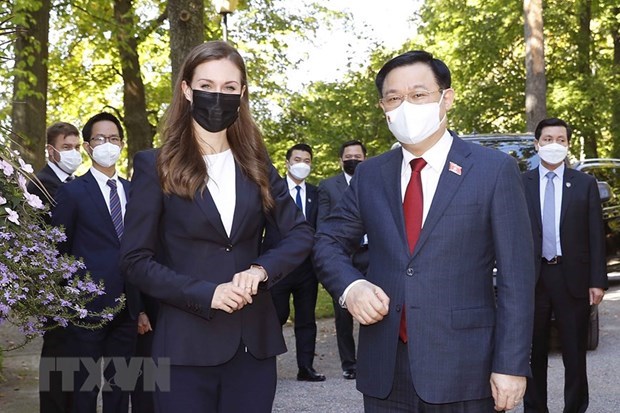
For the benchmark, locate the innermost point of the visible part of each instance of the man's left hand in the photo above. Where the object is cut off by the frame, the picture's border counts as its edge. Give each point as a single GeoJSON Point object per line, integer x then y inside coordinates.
{"type": "Point", "coordinates": [596, 295]}
{"type": "Point", "coordinates": [507, 390]}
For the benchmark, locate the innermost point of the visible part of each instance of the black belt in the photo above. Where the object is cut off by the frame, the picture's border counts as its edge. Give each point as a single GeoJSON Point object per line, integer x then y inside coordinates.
{"type": "Point", "coordinates": [555, 260]}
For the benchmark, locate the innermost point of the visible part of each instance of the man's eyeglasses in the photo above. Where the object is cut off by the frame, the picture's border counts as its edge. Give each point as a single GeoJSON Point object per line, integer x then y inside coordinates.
{"type": "Point", "coordinates": [417, 97]}
{"type": "Point", "coordinates": [101, 139]}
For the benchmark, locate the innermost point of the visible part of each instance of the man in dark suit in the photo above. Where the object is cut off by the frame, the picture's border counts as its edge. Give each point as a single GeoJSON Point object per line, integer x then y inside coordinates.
{"type": "Point", "coordinates": [351, 154]}
{"type": "Point", "coordinates": [569, 245]}
{"type": "Point", "coordinates": [301, 282]}
{"type": "Point", "coordinates": [63, 158]}
{"type": "Point", "coordinates": [440, 214]}
{"type": "Point", "coordinates": [91, 210]}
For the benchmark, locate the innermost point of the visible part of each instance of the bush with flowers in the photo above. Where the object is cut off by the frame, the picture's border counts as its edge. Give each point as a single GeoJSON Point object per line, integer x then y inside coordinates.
{"type": "Point", "coordinates": [39, 288]}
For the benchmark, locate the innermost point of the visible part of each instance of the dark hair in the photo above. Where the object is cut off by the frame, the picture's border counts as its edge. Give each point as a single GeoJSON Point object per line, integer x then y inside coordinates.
{"type": "Point", "coordinates": [87, 130]}
{"type": "Point", "coordinates": [182, 169]}
{"type": "Point", "coordinates": [351, 143]}
{"type": "Point", "coordinates": [552, 122]}
{"type": "Point", "coordinates": [439, 68]}
{"type": "Point", "coordinates": [59, 129]}
{"type": "Point", "coordinates": [298, 147]}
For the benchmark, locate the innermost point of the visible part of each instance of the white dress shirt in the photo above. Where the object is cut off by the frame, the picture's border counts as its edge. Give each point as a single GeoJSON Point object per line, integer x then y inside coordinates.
{"type": "Point", "coordinates": [102, 181]}
{"type": "Point", "coordinates": [435, 159]}
{"type": "Point", "coordinates": [221, 185]}
{"type": "Point", "coordinates": [293, 191]}
{"type": "Point", "coordinates": [557, 186]}
{"type": "Point", "coordinates": [62, 175]}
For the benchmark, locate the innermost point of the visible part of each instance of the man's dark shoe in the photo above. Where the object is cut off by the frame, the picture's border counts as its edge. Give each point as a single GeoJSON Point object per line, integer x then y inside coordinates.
{"type": "Point", "coordinates": [309, 374]}
{"type": "Point", "coordinates": [349, 374]}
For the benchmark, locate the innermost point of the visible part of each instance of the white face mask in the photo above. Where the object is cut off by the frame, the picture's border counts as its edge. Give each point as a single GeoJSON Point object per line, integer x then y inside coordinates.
{"type": "Point", "coordinates": [299, 170]}
{"type": "Point", "coordinates": [69, 160]}
{"type": "Point", "coordinates": [553, 153]}
{"type": "Point", "coordinates": [106, 154]}
{"type": "Point", "coordinates": [411, 124]}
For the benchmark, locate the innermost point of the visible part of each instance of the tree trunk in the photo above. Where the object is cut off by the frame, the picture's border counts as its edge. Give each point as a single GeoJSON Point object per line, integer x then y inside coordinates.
{"type": "Point", "coordinates": [615, 102]}
{"type": "Point", "coordinates": [29, 109]}
{"type": "Point", "coordinates": [186, 19]}
{"type": "Point", "coordinates": [583, 40]}
{"type": "Point", "coordinates": [535, 79]}
{"type": "Point", "coordinates": [139, 130]}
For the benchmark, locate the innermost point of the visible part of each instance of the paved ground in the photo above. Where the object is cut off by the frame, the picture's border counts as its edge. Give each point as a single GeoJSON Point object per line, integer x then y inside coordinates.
{"type": "Point", "coordinates": [18, 392]}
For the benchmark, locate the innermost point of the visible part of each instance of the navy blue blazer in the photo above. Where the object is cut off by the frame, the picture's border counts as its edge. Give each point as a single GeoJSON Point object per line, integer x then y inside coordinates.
{"type": "Point", "coordinates": [196, 255]}
{"type": "Point", "coordinates": [82, 211]}
{"type": "Point", "coordinates": [458, 331]}
{"type": "Point", "coordinates": [582, 233]}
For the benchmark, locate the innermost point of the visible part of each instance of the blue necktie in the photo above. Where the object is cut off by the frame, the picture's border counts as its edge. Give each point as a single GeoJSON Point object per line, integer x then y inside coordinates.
{"type": "Point", "coordinates": [548, 222]}
{"type": "Point", "coordinates": [298, 198]}
{"type": "Point", "coordinates": [115, 208]}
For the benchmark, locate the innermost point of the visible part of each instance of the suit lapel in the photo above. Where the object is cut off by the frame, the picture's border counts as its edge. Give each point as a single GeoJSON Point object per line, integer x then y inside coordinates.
{"type": "Point", "coordinates": [246, 187]}
{"type": "Point", "coordinates": [94, 191]}
{"type": "Point", "coordinates": [447, 186]}
{"type": "Point", "coordinates": [391, 176]}
{"type": "Point", "coordinates": [207, 206]}
{"type": "Point", "coordinates": [533, 192]}
{"type": "Point", "coordinates": [311, 204]}
{"type": "Point", "coordinates": [567, 192]}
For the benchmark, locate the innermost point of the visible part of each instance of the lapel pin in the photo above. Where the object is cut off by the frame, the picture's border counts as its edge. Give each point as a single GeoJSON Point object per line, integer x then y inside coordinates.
{"type": "Point", "coordinates": [454, 168]}
{"type": "Point", "coordinates": [568, 184]}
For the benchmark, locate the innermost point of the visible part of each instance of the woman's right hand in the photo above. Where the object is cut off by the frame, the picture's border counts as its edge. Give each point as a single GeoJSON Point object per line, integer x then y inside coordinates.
{"type": "Point", "coordinates": [228, 297]}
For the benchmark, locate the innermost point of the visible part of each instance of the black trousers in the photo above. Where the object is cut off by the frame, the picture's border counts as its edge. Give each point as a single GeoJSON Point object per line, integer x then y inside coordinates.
{"type": "Point", "coordinates": [52, 398]}
{"type": "Point", "coordinates": [404, 399]}
{"type": "Point", "coordinates": [344, 337]}
{"type": "Point", "coordinates": [242, 384]}
{"type": "Point", "coordinates": [572, 317]}
{"type": "Point", "coordinates": [303, 286]}
{"type": "Point", "coordinates": [142, 401]}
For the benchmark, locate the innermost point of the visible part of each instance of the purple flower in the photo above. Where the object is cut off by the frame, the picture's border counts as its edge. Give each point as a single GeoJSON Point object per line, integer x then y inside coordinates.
{"type": "Point", "coordinates": [12, 215]}
{"type": "Point", "coordinates": [6, 167]}
{"type": "Point", "coordinates": [25, 166]}
{"type": "Point", "coordinates": [33, 200]}
{"type": "Point", "coordinates": [2, 200]}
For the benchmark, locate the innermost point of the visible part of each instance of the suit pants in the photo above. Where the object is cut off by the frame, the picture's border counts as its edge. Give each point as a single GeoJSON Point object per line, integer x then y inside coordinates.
{"type": "Point", "coordinates": [242, 384]}
{"type": "Point", "coordinates": [142, 401]}
{"type": "Point", "coordinates": [404, 399]}
{"type": "Point", "coordinates": [572, 318]}
{"type": "Point", "coordinates": [303, 285]}
{"type": "Point", "coordinates": [344, 337]}
{"type": "Point", "coordinates": [52, 397]}
{"type": "Point", "coordinates": [115, 339]}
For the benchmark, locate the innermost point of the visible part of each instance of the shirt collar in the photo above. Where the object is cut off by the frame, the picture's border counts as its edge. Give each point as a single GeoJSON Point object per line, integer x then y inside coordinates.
{"type": "Point", "coordinates": [435, 156]}
{"type": "Point", "coordinates": [347, 177]}
{"type": "Point", "coordinates": [292, 184]}
{"type": "Point", "coordinates": [103, 178]}
{"type": "Point", "coordinates": [559, 171]}
{"type": "Point", "coordinates": [62, 175]}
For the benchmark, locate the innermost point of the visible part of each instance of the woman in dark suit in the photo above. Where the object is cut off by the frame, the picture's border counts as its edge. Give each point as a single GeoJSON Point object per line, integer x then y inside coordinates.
{"type": "Point", "coordinates": [192, 239]}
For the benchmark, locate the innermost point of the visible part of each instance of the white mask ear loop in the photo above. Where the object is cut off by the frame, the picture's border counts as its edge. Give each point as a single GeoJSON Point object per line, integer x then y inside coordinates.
{"type": "Point", "coordinates": [439, 104]}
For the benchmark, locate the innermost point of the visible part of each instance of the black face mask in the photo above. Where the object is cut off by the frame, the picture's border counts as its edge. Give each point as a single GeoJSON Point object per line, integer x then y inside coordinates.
{"type": "Point", "coordinates": [349, 165]}
{"type": "Point", "coordinates": [215, 111]}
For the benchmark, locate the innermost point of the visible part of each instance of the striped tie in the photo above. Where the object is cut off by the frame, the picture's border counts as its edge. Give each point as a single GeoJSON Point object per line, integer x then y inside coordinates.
{"type": "Point", "coordinates": [115, 208]}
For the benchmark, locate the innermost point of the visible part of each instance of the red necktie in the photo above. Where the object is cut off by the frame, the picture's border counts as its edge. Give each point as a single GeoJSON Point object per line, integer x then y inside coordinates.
{"type": "Point", "coordinates": [413, 208]}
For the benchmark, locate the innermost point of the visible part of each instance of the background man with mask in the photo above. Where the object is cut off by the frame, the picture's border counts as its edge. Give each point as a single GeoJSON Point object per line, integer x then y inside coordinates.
{"type": "Point", "coordinates": [351, 154]}
{"type": "Point", "coordinates": [91, 210]}
{"type": "Point", "coordinates": [569, 243]}
{"type": "Point", "coordinates": [63, 158]}
{"type": "Point", "coordinates": [440, 213]}
{"type": "Point", "coordinates": [301, 282]}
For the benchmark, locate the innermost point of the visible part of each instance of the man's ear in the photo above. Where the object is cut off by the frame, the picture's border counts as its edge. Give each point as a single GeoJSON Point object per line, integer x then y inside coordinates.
{"type": "Point", "coordinates": [448, 98]}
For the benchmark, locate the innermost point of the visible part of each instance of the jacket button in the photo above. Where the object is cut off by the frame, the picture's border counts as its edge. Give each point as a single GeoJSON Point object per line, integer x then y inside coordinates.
{"type": "Point", "coordinates": [410, 272]}
{"type": "Point", "coordinates": [397, 307]}
{"type": "Point", "coordinates": [228, 248]}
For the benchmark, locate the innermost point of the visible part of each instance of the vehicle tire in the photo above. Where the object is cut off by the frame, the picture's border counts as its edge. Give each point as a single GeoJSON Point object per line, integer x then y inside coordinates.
{"type": "Point", "coordinates": [593, 328]}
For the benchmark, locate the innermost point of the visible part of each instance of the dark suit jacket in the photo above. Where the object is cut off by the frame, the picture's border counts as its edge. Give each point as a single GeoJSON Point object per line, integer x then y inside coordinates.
{"type": "Point", "coordinates": [330, 193]}
{"type": "Point", "coordinates": [50, 182]}
{"type": "Point", "coordinates": [197, 256]}
{"type": "Point", "coordinates": [582, 234]}
{"type": "Point", "coordinates": [272, 235]}
{"type": "Point", "coordinates": [82, 211]}
{"type": "Point", "coordinates": [458, 331]}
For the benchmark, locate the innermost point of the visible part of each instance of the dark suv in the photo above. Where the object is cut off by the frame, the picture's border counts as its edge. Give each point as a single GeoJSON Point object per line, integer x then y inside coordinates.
{"type": "Point", "coordinates": [606, 172]}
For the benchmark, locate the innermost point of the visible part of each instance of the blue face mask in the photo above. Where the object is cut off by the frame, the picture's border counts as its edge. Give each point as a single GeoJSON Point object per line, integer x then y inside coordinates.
{"type": "Point", "coordinates": [215, 112]}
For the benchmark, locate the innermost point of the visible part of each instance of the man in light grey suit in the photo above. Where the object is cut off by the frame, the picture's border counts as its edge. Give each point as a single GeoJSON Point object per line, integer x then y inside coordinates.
{"type": "Point", "coordinates": [440, 214]}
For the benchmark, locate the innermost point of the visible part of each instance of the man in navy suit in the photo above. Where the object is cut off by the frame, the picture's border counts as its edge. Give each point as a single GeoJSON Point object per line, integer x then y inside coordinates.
{"type": "Point", "coordinates": [351, 154]}
{"type": "Point", "coordinates": [571, 274]}
{"type": "Point", "coordinates": [63, 158]}
{"type": "Point", "coordinates": [301, 282]}
{"type": "Point", "coordinates": [91, 210]}
{"type": "Point", "coordinates": [440, 214]}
